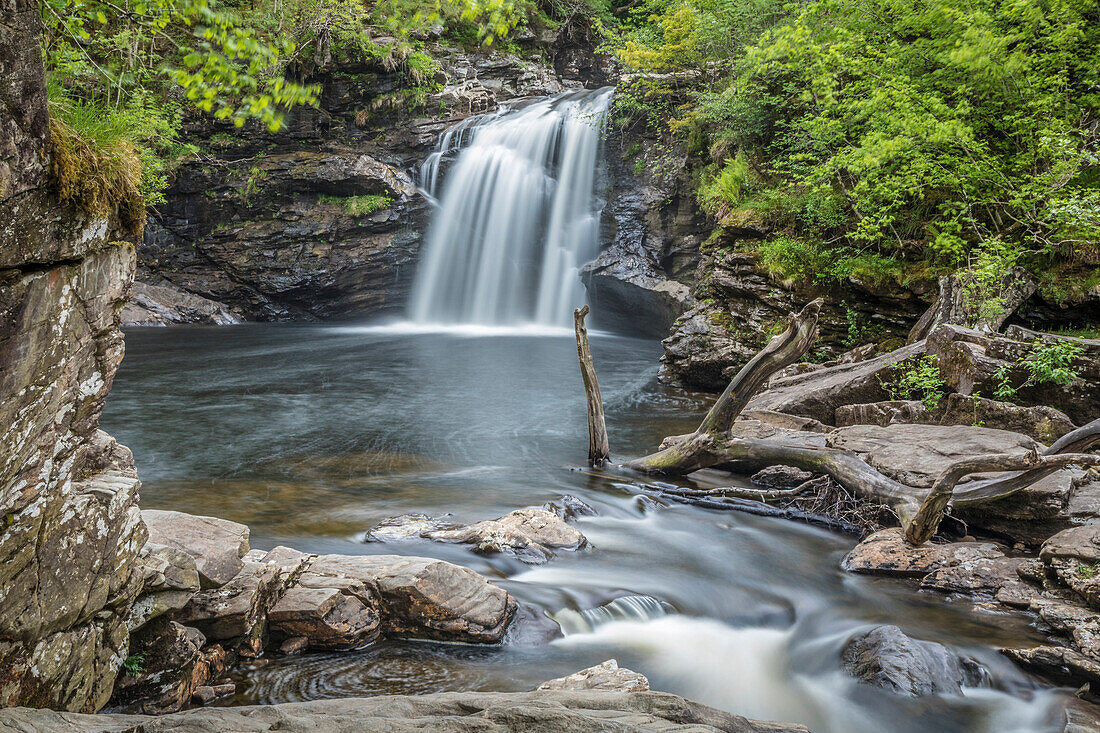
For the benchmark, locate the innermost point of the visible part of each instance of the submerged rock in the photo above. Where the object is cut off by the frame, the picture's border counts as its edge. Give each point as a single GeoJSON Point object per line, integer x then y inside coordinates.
{"type": "Point", "coordinates": [885, 657]}
{"type": "Point", "coordinates": [530, 534]}
{"type": "Point", "coordinates": [405, 527]}
{"type": "Point", "coordinates": [604, 676]}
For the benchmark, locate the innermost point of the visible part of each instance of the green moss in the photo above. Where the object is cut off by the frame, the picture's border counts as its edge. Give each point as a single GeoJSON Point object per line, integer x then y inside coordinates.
{"type": "Point", "coordinates": [359, 205]}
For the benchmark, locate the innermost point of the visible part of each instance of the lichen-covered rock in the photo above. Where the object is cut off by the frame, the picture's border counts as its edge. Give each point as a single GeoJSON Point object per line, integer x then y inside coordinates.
{"type": "Point", "coordinates": [69, 526]}
{"type": "Point", "coordinates": [1073, 556]}
{"type": "Point", "coordinates": [887, 553]}
{"type": "Point", "coordinates": [597, 711]}
{"type": "Point", "coordinates": [604, 676]}
{"type": "Point", "coordinates": [530, 534]}
{"type": "Point", "coordinates": [885, 657]}
{"type": "Point", "coordinates": [217, 545]}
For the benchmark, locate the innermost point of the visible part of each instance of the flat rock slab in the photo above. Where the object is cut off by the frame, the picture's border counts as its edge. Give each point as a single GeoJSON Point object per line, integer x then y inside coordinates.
{"type": "Point", "coordinates": [887, 658]}
{"type": "Point", "coordinates": [605, 676]}
{"type": "Point", "coordinates": [217, 545]}
{"type": "Point", "coordinates": [530, 534]}
{"type": "Point", "coordinates": [887, 553]}
{"type": "Point", "coordinates": [916, 454]}
{"type": "Point", "coordinates": [452, 712]}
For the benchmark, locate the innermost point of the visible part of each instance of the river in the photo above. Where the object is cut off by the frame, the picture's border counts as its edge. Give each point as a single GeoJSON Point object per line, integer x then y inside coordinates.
{"type": "Point", "coordinates": [311, 434]}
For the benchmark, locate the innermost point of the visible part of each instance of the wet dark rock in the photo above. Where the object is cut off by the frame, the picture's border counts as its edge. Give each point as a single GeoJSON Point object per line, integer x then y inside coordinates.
{"type": "Point", "coordinates": [885, 657]}
{"type": "Point", "coordinates": [598, 711]}
{"type": "Point", "coordinates": [738, 306]}
{"type": "Point", "coordinates": [604, 676]}
{"type": "Point", "coordinates": [1058, 663]}
{"type": "Point", "coordinates": [531, 627]}
{"type": "Point", "coordinates": [531, 535]}
{"type": "Point", "coordinates": [630, 293]}
{"type": "Point", "coordinates": [170, 668]}
{"type": "Point", "coordinates": [217, 545]}
{"type": "Point", "coordinates": [887, 553]}
{"type": "Point", "coordinates": [294, 645]}
{"type": "Point", "coordinates": [406, 527]}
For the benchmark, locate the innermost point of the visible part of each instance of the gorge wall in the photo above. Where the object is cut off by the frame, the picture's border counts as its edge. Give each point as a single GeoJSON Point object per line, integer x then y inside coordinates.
{"type": "Point", "coordinates": [69, 524]}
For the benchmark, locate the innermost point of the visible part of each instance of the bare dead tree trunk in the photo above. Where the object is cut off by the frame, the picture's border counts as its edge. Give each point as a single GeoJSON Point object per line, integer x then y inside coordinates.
{"type": "Point", "coordinates": [598, 449]}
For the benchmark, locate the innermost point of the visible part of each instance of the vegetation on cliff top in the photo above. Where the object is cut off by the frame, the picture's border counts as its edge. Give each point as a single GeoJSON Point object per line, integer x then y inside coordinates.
{"type": "Point", "coordinates": [881, 135]}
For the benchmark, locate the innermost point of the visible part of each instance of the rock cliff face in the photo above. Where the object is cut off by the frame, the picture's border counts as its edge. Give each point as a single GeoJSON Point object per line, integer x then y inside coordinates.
{"type": "Point", "coordinates": [69, 524]}
{"type": "Point", "coordinates": [323, 219]}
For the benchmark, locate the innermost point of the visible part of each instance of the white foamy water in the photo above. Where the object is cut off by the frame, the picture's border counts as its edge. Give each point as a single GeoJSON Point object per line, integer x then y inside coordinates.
{"type": "Point", "coordinates": [517, 215]}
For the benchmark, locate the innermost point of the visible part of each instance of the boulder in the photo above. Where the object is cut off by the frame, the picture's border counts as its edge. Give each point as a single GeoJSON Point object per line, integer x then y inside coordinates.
{"type": "Point", "coordinates": [530, 534]}
{"type": "Point", "coordinates": [887, 553]}
{"type": "Point", "coordinates": [604, 676]}
{"type": "Point", "coordinates": [1041, 423]}
{"type": "Point", "coordinates": [1073, 557]}
{"type": "Point", "coordinates": [702, 352]}
{"type": "Point", "coordinates": [887, 658]}
{"type": "Point", "coordinates": [328, 618]}
{"type": "Point", "coordinates": [917, 454]}
{"type": "Point", "coordinates": [217, 545]}
{"type": "Point", "coordinates": [597, 711]}
{"type": "Point", "coordinates": [630, 293]}
{"type": "Point", "coordinates": [818, 394]}
{"type": "Point", "coordinates": [420, 597]}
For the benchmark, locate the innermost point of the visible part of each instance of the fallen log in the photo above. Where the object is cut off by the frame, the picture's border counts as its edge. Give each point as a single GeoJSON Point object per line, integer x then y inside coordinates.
{"type": "Point", "coordinates": [919, 511]}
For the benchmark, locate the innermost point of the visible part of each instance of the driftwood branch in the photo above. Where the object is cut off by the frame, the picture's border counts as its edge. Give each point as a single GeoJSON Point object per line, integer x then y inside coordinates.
{"type": "Point", "coordinates": [599, 449]}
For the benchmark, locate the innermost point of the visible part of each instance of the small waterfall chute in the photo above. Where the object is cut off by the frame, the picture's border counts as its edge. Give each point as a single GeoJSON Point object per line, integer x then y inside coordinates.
{"type": "Point", "coordinates": [623, 608]}
{"type": "Point", "coordinates": [517, 214]}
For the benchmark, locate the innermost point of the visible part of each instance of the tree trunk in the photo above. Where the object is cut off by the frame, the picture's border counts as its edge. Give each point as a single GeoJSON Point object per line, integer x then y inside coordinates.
{"type": "Point", "coordinates": [598, 448]}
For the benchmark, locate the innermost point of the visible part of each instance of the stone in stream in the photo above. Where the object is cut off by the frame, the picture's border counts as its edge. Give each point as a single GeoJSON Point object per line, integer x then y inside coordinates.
{"type": "Point", "coordinates": [327, 618]}
{"type": "Point", "coordinates": [885, 657]}
{"type": "Point", "coordinates": [605, 676]}
{"type": "Point", "coordinates": [420, 597]}
{"type": "Point", "coordinates": [405, 527]}
{"type": "Point", "coordinates": [592, 711]}
{"type": "Point", "coordinates": [530, 534]}
{"type": "Point", "coordinates": [983, 577]}
{"type": "Point", "coordinates": [887, 553]}
{"type": "Point", "coordinates": [216, 544]}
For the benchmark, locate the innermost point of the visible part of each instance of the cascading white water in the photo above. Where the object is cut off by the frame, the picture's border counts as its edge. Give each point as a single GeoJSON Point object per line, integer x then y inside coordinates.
{"type": "Point", "coordinates": [517, 214]}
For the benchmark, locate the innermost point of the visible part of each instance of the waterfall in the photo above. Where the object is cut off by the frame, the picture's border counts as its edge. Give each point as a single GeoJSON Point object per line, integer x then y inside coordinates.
{"type": "Point", "coordinates": [517, 214]}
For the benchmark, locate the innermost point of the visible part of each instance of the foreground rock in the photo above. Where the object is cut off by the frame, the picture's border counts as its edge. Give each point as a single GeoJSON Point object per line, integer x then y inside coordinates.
{"type": "Point", "coordinates": [530, 534]}
{"type": "Point", "coordinates": [70, 531]}
{"type": "Point", "coordinates": [486, 712]}
{"type": "Point", "coordinates": [885, 657]}
{"type": "Point", "coordinates": [605, 676]}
